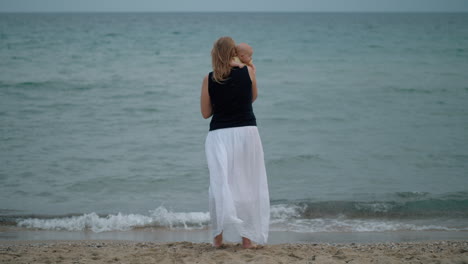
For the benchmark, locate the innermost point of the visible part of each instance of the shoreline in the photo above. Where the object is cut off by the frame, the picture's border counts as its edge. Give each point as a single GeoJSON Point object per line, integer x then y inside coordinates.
{"type": "Point", "coordinates": [164, 235]}
{"type": "Point", "coordinates": [108, 251]}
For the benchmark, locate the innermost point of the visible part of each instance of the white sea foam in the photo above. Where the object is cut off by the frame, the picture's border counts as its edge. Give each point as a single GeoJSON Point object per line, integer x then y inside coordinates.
{"type": "Point", "coordinates": [375, 207]}
{"type": "Point", "coordinates": [342, 224]}
{"type": "Point", "coordinates": [158, 217]}
{"type": "Point", "coordinates": [284, 212]}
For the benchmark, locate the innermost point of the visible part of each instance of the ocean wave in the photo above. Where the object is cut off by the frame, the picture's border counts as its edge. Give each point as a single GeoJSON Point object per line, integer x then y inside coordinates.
{"type": "Point", "coordinates": [47, 85]}
{"type": "Point", "coordinates": [160, 217]}
{"type": "Point", "coordinates": [414, 211]}
{"type": "Point", "coordinates": [400, 205]}
{"type": "Point", "coordinates": [283, 218]}
{"type": "Point", "coordinates": [297, 218]}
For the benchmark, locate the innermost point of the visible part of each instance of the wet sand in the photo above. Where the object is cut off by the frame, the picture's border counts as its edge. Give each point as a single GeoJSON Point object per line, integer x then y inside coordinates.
{"type": "Point", "coordinates": [163, 235]}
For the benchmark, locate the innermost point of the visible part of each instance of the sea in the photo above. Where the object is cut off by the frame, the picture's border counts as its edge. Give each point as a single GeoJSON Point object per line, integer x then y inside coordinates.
{"type": "Point", "coordinates": [363, 119]}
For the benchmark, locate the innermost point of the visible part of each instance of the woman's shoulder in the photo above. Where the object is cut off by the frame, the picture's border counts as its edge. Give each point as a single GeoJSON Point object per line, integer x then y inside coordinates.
{"type": "Point", "coordinates": [238, 68]}
{"type": "Point", "coordinates": [241, 70]}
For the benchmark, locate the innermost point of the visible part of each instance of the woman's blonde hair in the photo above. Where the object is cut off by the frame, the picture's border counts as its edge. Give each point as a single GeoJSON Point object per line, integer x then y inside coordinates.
{"type": "Point", "coordinates": [224, 49]}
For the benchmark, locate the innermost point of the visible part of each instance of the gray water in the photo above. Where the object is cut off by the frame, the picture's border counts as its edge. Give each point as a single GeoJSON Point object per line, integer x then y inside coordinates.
{"type": "Point", "coordinates": [363, 118]}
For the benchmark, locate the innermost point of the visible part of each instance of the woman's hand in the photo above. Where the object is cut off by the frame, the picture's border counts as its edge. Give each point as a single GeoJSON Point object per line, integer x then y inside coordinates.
{"type": "Point", "coordinates": [254, 82]}
{"type": "Point", "coordinates": [253, 67]}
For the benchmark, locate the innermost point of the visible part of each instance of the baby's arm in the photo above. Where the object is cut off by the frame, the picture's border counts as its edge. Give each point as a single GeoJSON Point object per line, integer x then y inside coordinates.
{"type": "Point", "coordinates": [236, 62]}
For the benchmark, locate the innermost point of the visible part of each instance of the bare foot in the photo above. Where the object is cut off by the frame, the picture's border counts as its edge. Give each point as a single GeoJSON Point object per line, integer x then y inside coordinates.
{"type": "Point", "coordinates": [218, 241]}
{"type": "Point", "coordinates": [247, 244]}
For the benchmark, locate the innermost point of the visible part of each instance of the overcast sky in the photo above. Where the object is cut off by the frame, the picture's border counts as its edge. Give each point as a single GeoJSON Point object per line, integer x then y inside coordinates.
{"type": "Point", "coordinates": [237, 5]}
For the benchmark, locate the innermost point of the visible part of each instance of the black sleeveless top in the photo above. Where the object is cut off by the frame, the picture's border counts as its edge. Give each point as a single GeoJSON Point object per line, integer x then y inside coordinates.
{"type": "Point", "coordinates": [231, 100]}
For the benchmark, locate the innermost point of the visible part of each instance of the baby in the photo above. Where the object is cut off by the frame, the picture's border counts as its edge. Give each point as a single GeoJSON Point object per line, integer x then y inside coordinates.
{"type": "Point", "coordinates": [244, 56]}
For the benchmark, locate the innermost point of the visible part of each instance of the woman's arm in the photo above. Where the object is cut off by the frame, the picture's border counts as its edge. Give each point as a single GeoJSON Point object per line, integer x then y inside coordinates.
{"type": "Point", "coordinates": [205, 102]}
{"type": "Point", "coordinates": [254, 82]}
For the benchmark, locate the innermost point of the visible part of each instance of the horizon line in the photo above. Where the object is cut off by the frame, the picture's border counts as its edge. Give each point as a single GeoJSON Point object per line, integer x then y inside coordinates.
{"type": "Point", "coordinates": [304, 12]}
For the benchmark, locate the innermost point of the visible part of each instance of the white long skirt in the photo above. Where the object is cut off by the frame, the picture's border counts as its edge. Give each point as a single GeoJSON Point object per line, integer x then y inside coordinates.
{"type": "Point", "coordinates": [238, 194]}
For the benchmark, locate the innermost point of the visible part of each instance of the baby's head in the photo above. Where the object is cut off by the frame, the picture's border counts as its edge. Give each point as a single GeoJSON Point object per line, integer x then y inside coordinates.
{"type": "Point", "coordinates": [244, 52]}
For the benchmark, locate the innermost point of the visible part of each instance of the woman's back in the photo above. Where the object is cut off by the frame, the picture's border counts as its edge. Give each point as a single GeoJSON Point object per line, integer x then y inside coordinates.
{"type": "Point", "coordinates": [232, 100]}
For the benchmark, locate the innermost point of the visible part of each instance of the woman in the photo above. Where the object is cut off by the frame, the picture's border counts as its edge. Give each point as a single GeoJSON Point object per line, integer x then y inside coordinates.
{"type": "Point", "coordinates": [238, 194]}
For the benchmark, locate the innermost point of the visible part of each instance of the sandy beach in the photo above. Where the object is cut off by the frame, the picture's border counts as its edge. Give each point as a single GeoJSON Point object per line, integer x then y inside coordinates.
{"type": "Point", "coordinates": [86, 251]}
